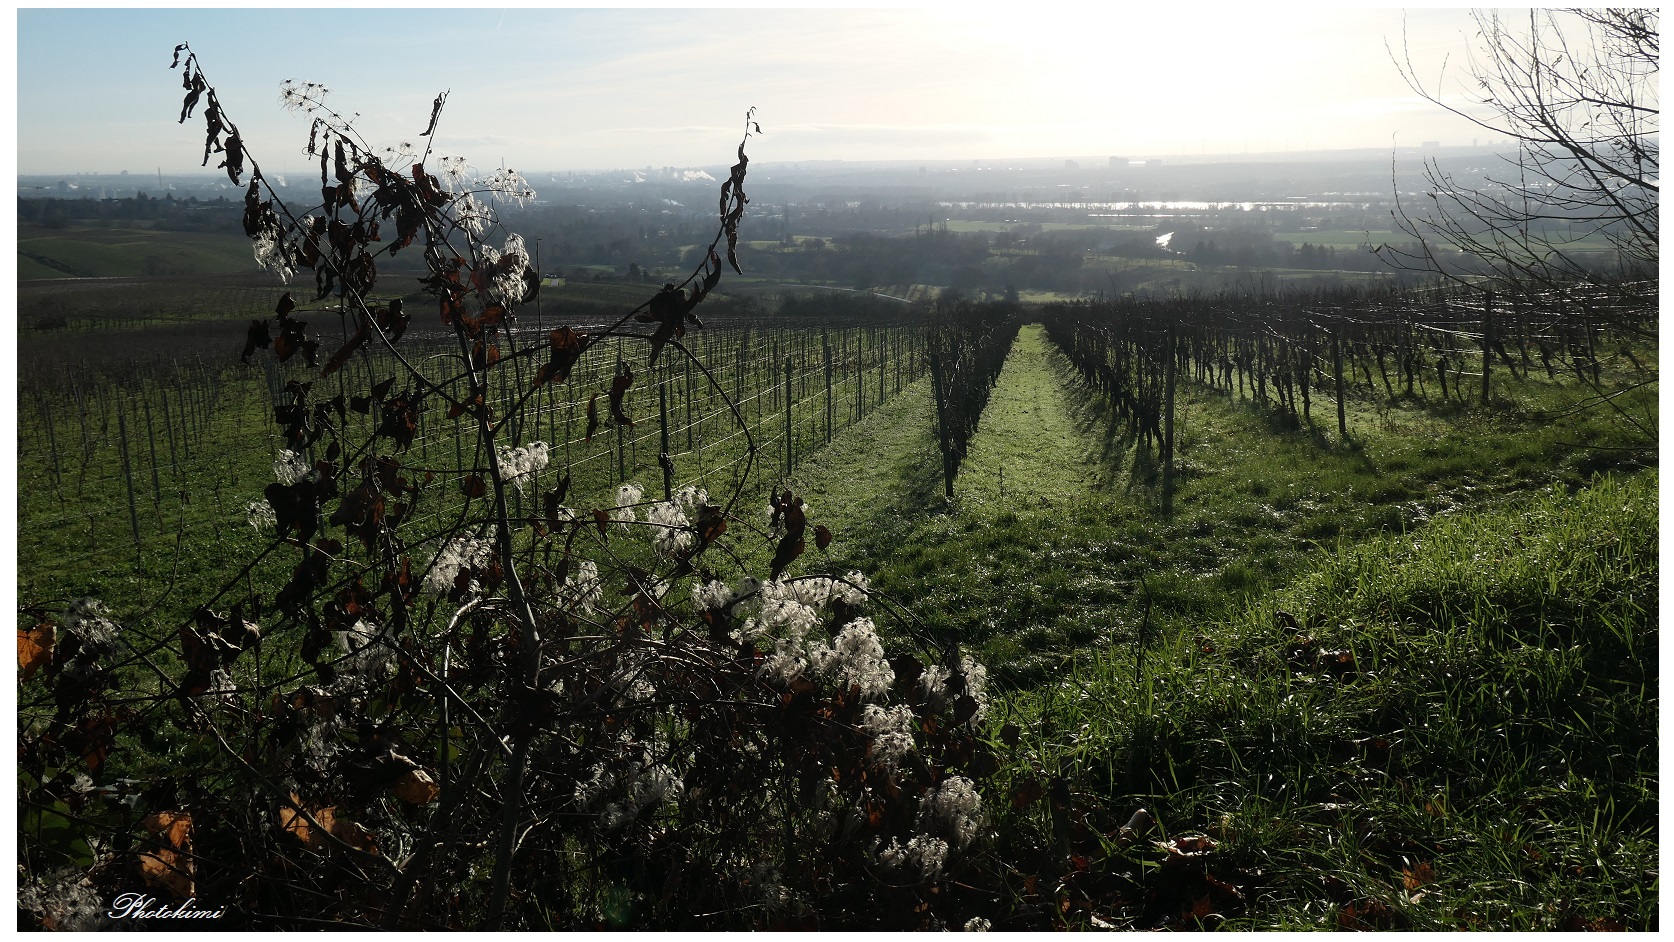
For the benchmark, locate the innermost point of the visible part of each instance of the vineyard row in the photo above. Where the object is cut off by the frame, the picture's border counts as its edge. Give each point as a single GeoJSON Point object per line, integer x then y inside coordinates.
{"type": "Point", "coordinates": [152, 459]}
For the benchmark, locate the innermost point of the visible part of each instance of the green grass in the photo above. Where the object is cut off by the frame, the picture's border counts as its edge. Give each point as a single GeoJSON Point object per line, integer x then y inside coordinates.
{"type": "Point", "coordinates": [76, 534]}
{"type": "Point", "coordinates": [1449, 728]}
{"type": "Point", "coordinates": [1460, 731]}
{"type": "Point", "coordinates": [1451, 725]}
{"type": "Point", "coordinates": [132, 252]}
{"type": "Point", "coordinates": [1067, 555]}
{"type": "Point", "coordinates": [984, 225]}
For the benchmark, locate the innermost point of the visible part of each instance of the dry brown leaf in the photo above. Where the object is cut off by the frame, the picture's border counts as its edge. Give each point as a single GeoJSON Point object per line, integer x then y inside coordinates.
{"type": "Point", "coordinates": [1195, 846]}
{"type": "Point", "coordinates": [354, 835]}
{"type": "Point", "coordinates": [296, 824]}
{"type": "Point", "coordinates": [170, 867]}
{"type": "Point", "coordinates": [416, 788]}
{"type": "Point", "coordinates": [175, 827]}
{"type": "Point", "coordinates": [34, 648]}
{"type": "Point", "coordinates": [1416, 877]}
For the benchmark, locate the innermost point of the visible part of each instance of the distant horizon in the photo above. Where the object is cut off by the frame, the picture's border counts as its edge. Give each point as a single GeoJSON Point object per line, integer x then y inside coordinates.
{"type": "Point", "coordinates": [605, 89]}
{"type": "Point", "coordinates": [1098, 162]}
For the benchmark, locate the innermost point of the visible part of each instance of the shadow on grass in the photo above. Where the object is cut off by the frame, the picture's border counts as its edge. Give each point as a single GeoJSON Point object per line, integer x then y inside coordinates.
{"type": "Point", "coordinates": [1122, 454]}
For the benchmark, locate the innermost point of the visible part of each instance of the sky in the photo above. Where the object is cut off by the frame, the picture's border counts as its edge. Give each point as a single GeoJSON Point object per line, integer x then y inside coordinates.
{"type": "Point", "coordinates": [576, 89]}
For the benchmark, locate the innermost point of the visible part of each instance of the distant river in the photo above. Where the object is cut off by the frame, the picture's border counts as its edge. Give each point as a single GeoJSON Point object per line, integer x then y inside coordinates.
{"type": "Point", "coordinates": [1162, 207]}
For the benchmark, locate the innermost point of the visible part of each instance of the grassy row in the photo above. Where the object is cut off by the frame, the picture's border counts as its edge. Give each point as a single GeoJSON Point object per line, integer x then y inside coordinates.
{"type": "Point", "coordinates": [1409, 683]}
{"type": "Point", "coordinates": [1068, 551]}
{"type": "Point", "coordinates": [1449, 728]}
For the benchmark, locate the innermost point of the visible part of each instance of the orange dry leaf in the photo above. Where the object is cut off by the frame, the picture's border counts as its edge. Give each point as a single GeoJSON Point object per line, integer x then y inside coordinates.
{"type": "Point", "coordinates": [355, 836]}
{"type": "Point", "coordinates": [173, 827]}
{"type": "Point", "coordinates": [169, 866]}
{"type": "Point", "coordinates": [34, 648]}
{"type": "Point", "coordinates": [296, 824]}
{"type": "Point", "coordinates": [1416, 877]}
{"type": "Point", "coordinates": [416, 788]}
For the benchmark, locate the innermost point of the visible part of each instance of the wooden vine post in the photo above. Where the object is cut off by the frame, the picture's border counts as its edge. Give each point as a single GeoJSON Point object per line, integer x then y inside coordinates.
{"type": "Point", "coordinates": [825, 343]}
{"type": "Point", "coordinates": [662, 441]}
{"type": "Point", "coordinates": [128, 478]}
{"type": "Point", "coordinates": [1168, 422]}
{"type": "Point", "coordinates": [1487, 340]}
{"type": "Point", "coordinates": [789, 455]}
{"type": "Point", "coordinates": [1337, 374]}
{"type": "Point", "coordinates": [942, 431]}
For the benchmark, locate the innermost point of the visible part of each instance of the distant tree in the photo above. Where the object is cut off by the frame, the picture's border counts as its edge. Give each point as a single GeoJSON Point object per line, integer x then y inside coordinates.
{"type": "Point", "coordinates": [1577, 92]}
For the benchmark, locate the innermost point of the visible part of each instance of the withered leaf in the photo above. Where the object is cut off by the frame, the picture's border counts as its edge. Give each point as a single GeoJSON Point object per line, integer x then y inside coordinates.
{"type": "Point", "coordinates": [169, 866]}
{"type": "Point", "coordinates": [1414, 878]}
{"type": "Point", "coordinates": [296, 825]}
{"type": "Point", "coordinates": [235, 158]}
{"type": "Point", "coordinates": [787, 553]}
{"type": "Point", "coordinates": [255, 338]}
{"type": "Point", "coordinates": [592, 417]}
{"type": "Point", "coordinates": [34, 648]}
{"type": "Point", "coordinates": [393, 321]}
{"type": "Point", "coordinates": [618, 390]}
{"type": "Point", "coordinates": [194, 92]}
{"type": "Point", "coordinates": [567, 346]}
{"type": "Point", "coordinates": [711, 523]}
{"type": "Point", "coordinates": [416, 787]}
{"type": "Point", "coordinates": [355, 342]}
{"type": "Point", "coordinates": [473, 486]}
{"type": "Point", "coordinates": [294, 507]}
{"type": "Point", "coordinates": [435, 114]}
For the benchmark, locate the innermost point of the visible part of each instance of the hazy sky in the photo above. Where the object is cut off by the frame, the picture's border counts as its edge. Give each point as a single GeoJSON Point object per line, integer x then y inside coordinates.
{"type": "Point", "coordinates": [552, 89]}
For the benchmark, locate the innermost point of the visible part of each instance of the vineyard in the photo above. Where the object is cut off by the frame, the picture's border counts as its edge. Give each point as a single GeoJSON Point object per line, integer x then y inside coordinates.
{"type": "Point", "coordinates": [1282, 352]}
{"type": "Point", "coordinates": [444, 598]}
{"type": "Point", "coordinates": [131, 473]}
{"type": "Point", "coordinates": [144, 491]}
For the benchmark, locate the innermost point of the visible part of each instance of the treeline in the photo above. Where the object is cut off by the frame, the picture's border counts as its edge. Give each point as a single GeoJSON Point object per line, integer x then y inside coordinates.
{"type": "Point", "coordinates": [648, 241]}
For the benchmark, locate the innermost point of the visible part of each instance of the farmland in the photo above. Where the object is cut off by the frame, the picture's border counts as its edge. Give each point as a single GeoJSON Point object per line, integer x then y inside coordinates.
{"type": "Point", "coordinates": [1285, 669]}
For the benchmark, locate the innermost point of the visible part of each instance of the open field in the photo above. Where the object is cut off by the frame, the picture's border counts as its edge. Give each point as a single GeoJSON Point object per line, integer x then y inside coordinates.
{"type": "Point", "coordinates": [116, 253]}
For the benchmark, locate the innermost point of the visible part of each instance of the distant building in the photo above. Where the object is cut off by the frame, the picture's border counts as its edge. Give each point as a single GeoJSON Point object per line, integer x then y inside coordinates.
{"type": "Point", "coordinates": [1071, 165]}
{"type": "Point", "coordinates": [1118, 162]}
